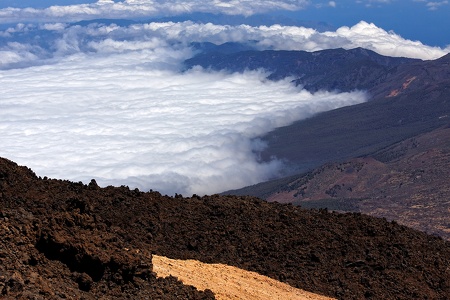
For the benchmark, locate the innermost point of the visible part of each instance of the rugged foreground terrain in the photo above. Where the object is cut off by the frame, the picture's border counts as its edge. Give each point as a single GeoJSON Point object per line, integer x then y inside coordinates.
{"type": "Point", "coordinates": [61, 239]}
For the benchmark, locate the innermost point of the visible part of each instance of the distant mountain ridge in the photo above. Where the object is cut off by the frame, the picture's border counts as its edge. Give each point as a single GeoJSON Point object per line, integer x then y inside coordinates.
{"type": "Point", "coordinates": [332, 69]}
{"type": "Point", "coordinates": [412, 99]}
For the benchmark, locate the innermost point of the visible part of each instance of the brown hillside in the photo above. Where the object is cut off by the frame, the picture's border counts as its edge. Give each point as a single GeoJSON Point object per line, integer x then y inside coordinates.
{"type": "Point", "coordinates": [409, 100]}
{"type": "Point", "coordinates": [407, 182]}
{"type": "Point", "coordinates": [61, 239]}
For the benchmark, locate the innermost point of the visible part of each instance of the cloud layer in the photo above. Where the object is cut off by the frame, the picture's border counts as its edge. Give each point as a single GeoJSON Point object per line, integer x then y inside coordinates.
{"type": "Point", "coordinates": [120, 120]}
{"type": "Point", "coordinates": [144, 8]}
{"type": "Point", "coordinates": [24, 45]}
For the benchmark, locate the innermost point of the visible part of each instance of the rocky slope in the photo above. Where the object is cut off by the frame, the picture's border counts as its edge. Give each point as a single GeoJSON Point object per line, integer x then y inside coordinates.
{"type": "Point", "coordinates": [61, 239]}
{"type": "Point", "coordinates": [52, 246]}
{"type": "Point", "coordinates": [406, 182]}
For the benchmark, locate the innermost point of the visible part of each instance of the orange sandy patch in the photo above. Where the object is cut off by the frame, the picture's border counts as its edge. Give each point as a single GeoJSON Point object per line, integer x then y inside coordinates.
{"type": "Point", "coordinates": [404, 87]}
{"type": "Point", "coordinates": [228, 282]}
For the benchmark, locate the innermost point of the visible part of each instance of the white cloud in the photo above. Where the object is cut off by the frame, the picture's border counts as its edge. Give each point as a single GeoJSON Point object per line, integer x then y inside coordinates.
{"type": "Point", "coordinates": [371, 37]}
{"type": "Point", "coordinates": [278, 37]}
{"type": "Point", "coordinates": [53, 26]}
{"type": "Point", "coordinates": [435, 5]}
{"type": "Point", "coordinates": [145, 8]}
{"type": "Point", "coordinates": [122, 115]}
{"type": "Point", "coordinates": [60, 39]}
{"type": "Point", "coordinates": [369, 2]}
{"type": "Point", "coordinates": [16, 53]}
{"type": "Point", "coordinates": [328, 4]}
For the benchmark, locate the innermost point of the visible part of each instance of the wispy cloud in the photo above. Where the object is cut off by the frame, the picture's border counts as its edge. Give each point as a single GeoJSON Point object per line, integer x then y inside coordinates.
{"type": "Point", "coordinates": [36, 44]}
{"type": "Point", "coordinates": [436, 5]}
{"type": "Point", "coordinates": [371, 3]}
{"type": "Point", "coordinates": [433, 5]}
{"type": "Point", "coordinates": [144, 8]}
{"type": "Point", "coordinates": [327, 4]}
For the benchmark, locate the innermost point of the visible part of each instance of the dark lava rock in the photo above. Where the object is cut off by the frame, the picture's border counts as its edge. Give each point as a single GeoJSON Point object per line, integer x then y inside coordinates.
{"type": "Point", "coordinates": [54, 246]}
{"type": "Point", "coordinates": [61, 239]}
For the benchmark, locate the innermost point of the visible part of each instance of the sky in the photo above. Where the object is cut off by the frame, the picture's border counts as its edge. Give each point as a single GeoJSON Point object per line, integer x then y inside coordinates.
{"type": "Point", "coordinates": [417, 20]}
{"type": "Point", "coordinates": [112, 102]}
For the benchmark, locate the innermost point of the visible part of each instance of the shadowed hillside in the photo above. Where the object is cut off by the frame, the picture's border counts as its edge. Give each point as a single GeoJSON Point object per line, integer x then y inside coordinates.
{"type": "Point", "coordinates": [414, 99]}
{"type": "Point", "coordinates": [332, 69]}
{"type": "Point", "coordinates": [62, 239]}
{"type": "Point", "coordinates": [407, 97]}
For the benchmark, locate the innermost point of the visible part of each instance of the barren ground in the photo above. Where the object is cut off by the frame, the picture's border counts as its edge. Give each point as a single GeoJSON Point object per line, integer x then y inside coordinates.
{"type": "Point", "coordinates": [228, 282]}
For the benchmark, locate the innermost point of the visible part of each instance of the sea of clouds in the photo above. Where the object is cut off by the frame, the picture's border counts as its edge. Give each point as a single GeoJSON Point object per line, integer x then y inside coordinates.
{"type": "Point", "coordinates": [111, 102]}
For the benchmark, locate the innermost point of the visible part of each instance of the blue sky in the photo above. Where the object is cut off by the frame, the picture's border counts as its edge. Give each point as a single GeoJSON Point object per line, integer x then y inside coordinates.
{"type": "Point", "coordinates": [423, 20]}
{"type": "Point", "coordinates": [426, 21]}
{"type": "Point", "coordinates": [40, 4]}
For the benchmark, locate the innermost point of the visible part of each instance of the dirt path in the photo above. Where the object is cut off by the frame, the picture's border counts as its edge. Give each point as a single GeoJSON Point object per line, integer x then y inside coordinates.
{"type": "Point", "coordinates": [228, 282]}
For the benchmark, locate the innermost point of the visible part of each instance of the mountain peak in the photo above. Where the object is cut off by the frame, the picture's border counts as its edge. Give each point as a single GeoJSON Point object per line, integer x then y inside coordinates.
{"type": "Point", "coordinates": [445, 58]}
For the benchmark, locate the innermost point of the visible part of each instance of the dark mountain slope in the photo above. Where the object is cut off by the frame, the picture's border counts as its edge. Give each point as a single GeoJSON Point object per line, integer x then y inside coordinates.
{"type": "Point", "coordinates": [414, 77]}
{"type": "Point", "coordinates": [61, 239]}
{"type": "Point", "coordinates": [413, 99]}
{"type": "Point", "coordinates": [334, 69]}
{"type": "Point", "coordinates": [407, 182]}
